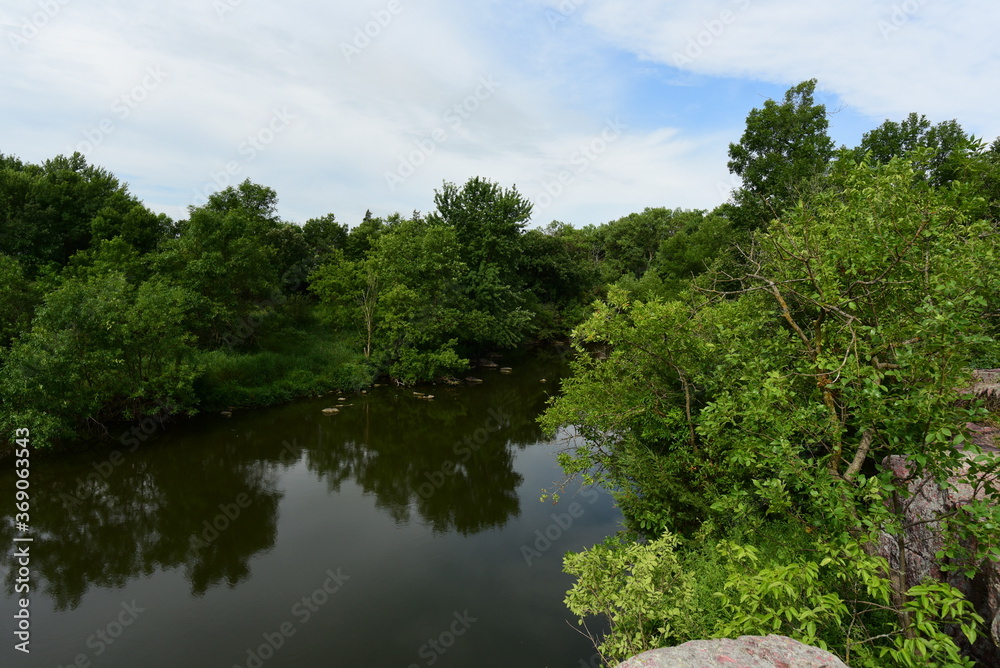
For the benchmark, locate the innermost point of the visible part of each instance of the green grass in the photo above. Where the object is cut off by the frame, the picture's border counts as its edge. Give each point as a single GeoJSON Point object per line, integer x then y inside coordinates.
{"type": "Point", "coordinates": [291, 362]}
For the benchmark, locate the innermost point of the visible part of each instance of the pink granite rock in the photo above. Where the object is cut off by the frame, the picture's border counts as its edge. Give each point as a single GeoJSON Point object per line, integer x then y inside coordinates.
{"type": "Point", "coordinates": [924, 540]}
{"type": "Point", "coordinates": [743, 652]}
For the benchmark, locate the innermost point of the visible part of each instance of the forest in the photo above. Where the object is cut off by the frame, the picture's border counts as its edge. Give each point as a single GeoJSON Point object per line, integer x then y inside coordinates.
{"type": "Point", "coordinates": [742, 379]}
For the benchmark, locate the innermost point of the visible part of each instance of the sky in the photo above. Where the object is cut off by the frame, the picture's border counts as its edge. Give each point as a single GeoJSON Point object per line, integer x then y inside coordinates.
{"type": "Point", "coordinates": [593, 109]}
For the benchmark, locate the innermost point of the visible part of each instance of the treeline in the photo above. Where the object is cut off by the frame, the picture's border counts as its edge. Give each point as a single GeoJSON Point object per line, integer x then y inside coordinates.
{"type": "Point", "coordinates": [114, 313]}
{"type": "Point", "coordinates": [768, 425]}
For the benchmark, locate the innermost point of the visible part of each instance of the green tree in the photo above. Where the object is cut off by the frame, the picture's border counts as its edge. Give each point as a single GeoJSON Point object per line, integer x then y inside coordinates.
{"type": "Point", "coordinates": [488, 222]}
{"type": "Point", "coordinates": [783, 147]}
{"type": "Point", "coordinates": [559, 280]}
{"type": "Point", "coordinates": [705, 240]}
{"type": "Point", "coordinates": [349, 292]}
{"type": "Point", "coordinates": [631, 243]}
{"type": "Point", "coordinates": [100, 349]}
{"type": "Point", "coordinates": [895, 140]}
{"type": "Point", "coordinates": [322, 236]}
{"type": "Point", "coordinates": [47, 211]}
{"type": "Point", "coordinates": [18, 296]}
{"type": "Point", "coordinates": [405, 299]}
{"type": "Point", "coordinates": [229, 254]}
{"type": "Point", "coordinates": [846, 345]}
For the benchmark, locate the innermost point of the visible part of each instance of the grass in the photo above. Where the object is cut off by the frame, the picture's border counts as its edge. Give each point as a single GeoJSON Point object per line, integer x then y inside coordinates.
{"type": "Point", "coordinates": [291, 361]}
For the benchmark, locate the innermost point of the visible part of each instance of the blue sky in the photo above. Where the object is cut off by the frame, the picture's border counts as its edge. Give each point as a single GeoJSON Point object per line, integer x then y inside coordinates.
{"type": "Point", "coordinates": [592, 108]}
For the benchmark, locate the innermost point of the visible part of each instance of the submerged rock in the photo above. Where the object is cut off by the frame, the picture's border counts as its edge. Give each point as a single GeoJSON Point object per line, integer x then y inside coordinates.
{"type": "Point", "coordinates": [743, 652]}
{"type": "Point", "coordinates": [330, 411]}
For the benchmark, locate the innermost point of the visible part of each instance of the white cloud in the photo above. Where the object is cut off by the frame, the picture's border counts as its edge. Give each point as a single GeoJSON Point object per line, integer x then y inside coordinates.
{"type": "Point", "coordinates": [885, 59]}
{"type": "Point", "coordinates": [358, 116]}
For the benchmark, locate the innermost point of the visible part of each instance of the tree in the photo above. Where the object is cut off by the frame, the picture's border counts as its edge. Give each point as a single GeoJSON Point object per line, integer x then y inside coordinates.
{"type": "Point", "coordinates": [18, 296]}
{"type": "Point", "coordinates": [404, 298]}
{"type": "Point", "coordinates": [349, 292]}
{"type": "Point", "coordinates": [46, 211]}
{"type": "Point", "coordinates": [950, 144]}
{"type": "Point", "coordinates": [100, 349]}
{"type": "Point", "coordinates": [227, 253]}
{"type": "Point", "coordinates": [322, 236]}
{"type": "Point", "coordinates": [559, 280]}
{"type": "Point", "coordinates": [783, 147]}
{"type": "Point", "coordinates": [631, 243]}
{"type": "Point", "coordinates": [794, 397]}
{"type": "Point", "coordinates": [124, 217]}
{"type": "Point", "coordinates": [362, 238]}
{"type": "Point", "coordinates": [488, 222]}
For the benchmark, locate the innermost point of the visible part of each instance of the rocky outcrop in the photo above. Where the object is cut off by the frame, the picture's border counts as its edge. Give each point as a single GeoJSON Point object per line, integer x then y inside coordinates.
{"type": "Point", "coordinates": [743, 652]}
{"type": "Point", "coordinates": [987, 388]}
{"type": "Point", "coordinates": [923, 540]}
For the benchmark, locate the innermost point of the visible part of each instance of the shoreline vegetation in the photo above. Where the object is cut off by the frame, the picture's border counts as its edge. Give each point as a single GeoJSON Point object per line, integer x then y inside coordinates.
{"type": "Point", "coordinates": [742, 378]}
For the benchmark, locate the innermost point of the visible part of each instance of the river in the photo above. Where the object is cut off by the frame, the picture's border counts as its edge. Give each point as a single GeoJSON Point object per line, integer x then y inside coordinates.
{"type": "Point", "coordinates": [399, 532]}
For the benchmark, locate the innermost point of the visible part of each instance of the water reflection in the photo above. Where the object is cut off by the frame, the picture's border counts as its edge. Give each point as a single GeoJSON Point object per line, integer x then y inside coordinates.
{"type": "Point", "coordinates": [204, 497]}
{"type": "Point", "coordinates": [146, 515]}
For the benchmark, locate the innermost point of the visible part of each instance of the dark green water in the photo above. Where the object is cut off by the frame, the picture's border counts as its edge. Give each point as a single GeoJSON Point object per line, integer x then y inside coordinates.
{"type": "Point", "coordinates": [218, 542]}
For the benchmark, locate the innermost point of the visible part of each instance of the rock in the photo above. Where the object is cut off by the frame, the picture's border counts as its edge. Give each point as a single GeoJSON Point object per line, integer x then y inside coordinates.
{"type": "Point", "coordinates": [341, 399]}
{"type": "Point", "coordinates": [227, 414]}
{"type": "Point", "coordinates": [489, 364]}
{"type": "Point", "coordinates": [506, 369]}
{"type": "Point", "coordinates": [330, 411]}
{"type": "Point", "coordinates": [987, 388]}
{"type": "Point", "coordinates": [545, 380]}
{"type": "Point", "coordinates": [472, 379]}
{"type": "Point", "coordinates": [743, 652]}
{"type": "Point", "coordinates": [924, 540]}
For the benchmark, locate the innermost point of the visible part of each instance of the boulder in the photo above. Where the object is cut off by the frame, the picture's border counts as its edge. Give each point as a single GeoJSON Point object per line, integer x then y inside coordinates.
{"type": "Point", "coordinates": [743, 652]}
{"type": "Point", "coordinates": [987, 388]}
{"type": "Point", "coordinates": [924, 540]}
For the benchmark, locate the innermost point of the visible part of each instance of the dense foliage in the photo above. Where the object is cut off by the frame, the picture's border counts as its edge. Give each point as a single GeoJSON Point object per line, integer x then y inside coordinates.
{"type": "Point", "coordinates": [114, 313]}
{"type": "Point", "coordinates": [749, 424]}
{"type": "Point", "coordinates": [746, 377]}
